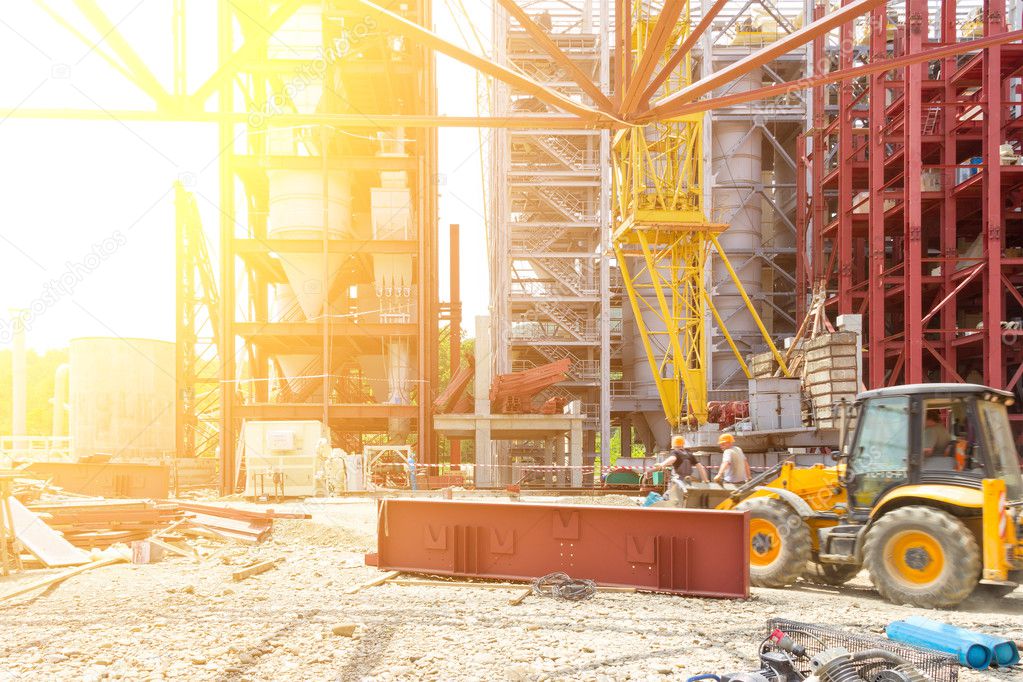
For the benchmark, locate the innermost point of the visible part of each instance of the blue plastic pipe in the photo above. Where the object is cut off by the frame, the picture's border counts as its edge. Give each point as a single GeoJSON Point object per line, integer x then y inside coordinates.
{"type": "Point", "coordinates": [1004, 650]}
{"type": "Point", "coordinates": [969, 652]}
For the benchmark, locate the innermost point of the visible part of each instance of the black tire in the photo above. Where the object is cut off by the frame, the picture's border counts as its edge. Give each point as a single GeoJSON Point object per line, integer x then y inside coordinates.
{"type": "Point", "coordinates": [921, 556]}
{"type": "Point", "coordinates": [779, 543]}
{"type": "Point", "coordinates": [832, 574]}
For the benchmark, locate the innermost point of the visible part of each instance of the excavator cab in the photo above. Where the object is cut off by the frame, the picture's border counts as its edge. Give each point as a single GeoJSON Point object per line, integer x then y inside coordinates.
{"type": "Point", "coordinates": [939, 434]}
{"type": "Point", "coordinates": [926, 496]}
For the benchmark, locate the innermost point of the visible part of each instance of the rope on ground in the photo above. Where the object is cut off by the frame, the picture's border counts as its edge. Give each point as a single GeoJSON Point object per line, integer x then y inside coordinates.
{"type": "Point", "coordinates": [563, 586]}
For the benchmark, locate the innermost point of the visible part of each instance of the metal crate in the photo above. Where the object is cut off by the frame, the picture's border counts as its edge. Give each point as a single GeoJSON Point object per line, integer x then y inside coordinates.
{"type": "Point", "coordinates": [937, 666]}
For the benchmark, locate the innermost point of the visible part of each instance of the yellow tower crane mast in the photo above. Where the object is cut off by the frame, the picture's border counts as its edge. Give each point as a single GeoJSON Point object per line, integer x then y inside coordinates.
{"type": "Point", "coordinates": [662, 236]}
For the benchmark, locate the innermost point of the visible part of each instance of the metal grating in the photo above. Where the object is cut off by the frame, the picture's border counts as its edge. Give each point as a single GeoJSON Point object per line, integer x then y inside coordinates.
{"type": "Point", "coordinates": [816, 638]}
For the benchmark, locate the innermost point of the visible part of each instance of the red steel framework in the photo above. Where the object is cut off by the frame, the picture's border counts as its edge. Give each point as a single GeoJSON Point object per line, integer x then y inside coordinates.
{"type": "Point", "coordinates": [914, 220]}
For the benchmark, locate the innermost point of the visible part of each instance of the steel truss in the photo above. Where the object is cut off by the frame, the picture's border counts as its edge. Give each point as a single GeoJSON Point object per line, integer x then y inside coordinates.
{"type": "Point", "coordinates": [916, 223]}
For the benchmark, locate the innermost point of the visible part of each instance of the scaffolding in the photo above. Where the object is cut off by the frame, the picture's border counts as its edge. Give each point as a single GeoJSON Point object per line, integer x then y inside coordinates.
{"type": "Point", "coordinates": [913, 219]}
{"type": "Point", "coordinates": [551, 289]}
{"type": "Point", "coordinates": [334, 304]}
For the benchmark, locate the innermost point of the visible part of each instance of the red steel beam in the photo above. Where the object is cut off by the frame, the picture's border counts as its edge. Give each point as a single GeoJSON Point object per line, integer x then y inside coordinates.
{"type": "Point", "coordinates": [666, 107]}
{"type": "Point", "coordinates": [434, 42]}
{"type": "Point", "coordinates": [845, 74]}
{"type": "Point", "coordinates": [913, 211]}
{"type": "Point", "coordinates": [666, 21]}
{"type": "Point", "coordinates": [551, 48]}
{"type": "Point", "coordinates": [993, 203]}
{"type": "Point", "coordinates": [875, 323]}
{"type": "Point", "coordinates": [692, 552]}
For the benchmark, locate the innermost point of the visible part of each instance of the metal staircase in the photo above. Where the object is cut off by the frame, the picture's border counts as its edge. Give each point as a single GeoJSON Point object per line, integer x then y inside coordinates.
{"type": "Point", "coordinates": [568, 276]}
{"type": "Point", "coordinates": [565, 202]}
{"type": "Point", "coordinates": [562, 149]}
{"type": "Point", "coordinates": [542, 239]}
{"type": "Point", "coordinates": [572, 322]}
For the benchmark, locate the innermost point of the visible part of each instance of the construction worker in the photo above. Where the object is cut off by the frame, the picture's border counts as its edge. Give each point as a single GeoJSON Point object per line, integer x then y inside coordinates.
{"type": "Point", "coordinates": [734, 465]}
{"type": "Point", "coordinates": [935, 437]}
{"type": "Point", "coordinates": [682, 463]}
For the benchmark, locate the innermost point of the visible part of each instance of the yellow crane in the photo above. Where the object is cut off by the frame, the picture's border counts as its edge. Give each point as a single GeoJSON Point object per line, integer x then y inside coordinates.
{"type": "Point", "coordinates": [662, 236]}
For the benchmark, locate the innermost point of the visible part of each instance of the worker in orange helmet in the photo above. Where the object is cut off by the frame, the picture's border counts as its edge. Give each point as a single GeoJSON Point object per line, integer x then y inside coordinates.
{"type": "Point", "coordinates": [734, 467]}
{"type": "Point", "coordinates": [683, 464]}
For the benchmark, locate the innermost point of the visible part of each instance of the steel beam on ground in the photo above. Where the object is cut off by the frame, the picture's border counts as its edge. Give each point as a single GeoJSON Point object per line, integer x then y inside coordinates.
{"type": "Point", "coordinates": [691, 552]}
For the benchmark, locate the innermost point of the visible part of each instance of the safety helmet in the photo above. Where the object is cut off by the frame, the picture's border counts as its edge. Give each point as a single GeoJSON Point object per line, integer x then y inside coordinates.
{"type": "Point", "coordinates": [726, 439]}
{"type": "Point", "coordinates": [677, 442]}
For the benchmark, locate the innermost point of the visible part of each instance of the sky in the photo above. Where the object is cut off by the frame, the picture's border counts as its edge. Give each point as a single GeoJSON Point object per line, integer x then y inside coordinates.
{"type": "Point", "coordinates": [86, 207]}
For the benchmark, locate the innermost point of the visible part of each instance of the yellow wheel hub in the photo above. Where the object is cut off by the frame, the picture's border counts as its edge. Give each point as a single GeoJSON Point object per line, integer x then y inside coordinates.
{"type": "Point", "coordinates": [915, 557]}
{"type": "Point", "coordinates": [765, 542]}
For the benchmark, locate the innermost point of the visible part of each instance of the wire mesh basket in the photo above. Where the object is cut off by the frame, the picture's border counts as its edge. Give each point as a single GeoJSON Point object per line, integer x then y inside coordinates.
{"type": "Point", "coordinates": [939, 667]}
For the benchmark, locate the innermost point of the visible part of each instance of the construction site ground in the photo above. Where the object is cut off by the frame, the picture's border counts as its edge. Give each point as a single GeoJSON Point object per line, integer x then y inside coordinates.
{"type": "Point", "coordinates": [178, 619]}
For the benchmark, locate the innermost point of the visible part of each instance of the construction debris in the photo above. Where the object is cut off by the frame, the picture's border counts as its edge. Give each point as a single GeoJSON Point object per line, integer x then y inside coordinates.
{"type": "Point", "coordinates": [515, 393]}
{"type": "Point", "coordinates": [255, 569]}
{"type": "Point", "coordinates": [117, 558]}
{"type": "Point", "coordinates": [98, 523]}
{"type": "Point", "coordinates": [42, 540]}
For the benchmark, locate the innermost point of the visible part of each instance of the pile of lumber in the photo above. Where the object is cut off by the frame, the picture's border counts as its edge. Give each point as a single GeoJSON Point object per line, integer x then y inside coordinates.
{"type": "Point", "coordinates": [242, 525]}
{"type": "Point", "coordinates": [99, 523]}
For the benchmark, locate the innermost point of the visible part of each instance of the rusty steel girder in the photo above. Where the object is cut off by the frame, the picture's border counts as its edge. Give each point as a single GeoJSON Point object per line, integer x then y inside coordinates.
{"type": "Point", "coordinates": [691, 552]}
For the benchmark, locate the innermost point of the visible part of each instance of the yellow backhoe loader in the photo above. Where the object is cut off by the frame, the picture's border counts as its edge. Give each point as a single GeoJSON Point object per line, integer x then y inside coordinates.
{"type": "Point", "coordinates": [926, 495]}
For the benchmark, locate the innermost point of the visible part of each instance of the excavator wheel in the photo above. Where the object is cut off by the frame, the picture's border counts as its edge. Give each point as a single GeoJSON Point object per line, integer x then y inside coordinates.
{"type": "Point", "coordinates": [921, 556]}
{"type": "Point", "coordinates": [779, 542]}
{"type": "Point", "coordinates": [831, 574]}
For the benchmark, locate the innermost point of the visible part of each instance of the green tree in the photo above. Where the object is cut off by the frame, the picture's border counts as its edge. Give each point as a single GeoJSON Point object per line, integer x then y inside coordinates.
{"type": "Point", "coordinates": [41, 368]}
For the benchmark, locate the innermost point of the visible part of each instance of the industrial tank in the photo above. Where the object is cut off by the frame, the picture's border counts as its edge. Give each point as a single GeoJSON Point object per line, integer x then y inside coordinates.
{"type": "Point", "coordinates": [736, 170]}
{"type": "Point", "coordinates": [122, 397]}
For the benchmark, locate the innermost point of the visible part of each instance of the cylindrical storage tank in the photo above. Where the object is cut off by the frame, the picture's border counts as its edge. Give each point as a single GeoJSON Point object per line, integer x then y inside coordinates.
{"type": "Point", "coordinates": [736, 170]}
{"type": "Point", "coordinates": [122, 397]}
{"type": "Point", "coordinates": [297, 212]}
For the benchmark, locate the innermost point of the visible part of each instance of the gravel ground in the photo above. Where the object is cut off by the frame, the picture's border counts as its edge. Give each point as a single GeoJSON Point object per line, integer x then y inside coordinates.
{"type": "Point", "coordinates": [181, 620]}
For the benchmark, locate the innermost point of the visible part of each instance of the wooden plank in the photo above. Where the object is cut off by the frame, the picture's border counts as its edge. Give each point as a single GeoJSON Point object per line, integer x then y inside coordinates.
{"type": "Point", "coordinates": [256, 568]}
{"type": "Point", "coordinates": [515, 601]}
{"type": "Point", "coordinates": [241, 514]}
{"type": "Point", "coordinates": [44, 542]}
{"type": "Point", "coordinates": [380, 580]}
{"type": "Point", "coordinates": [60, 577]}
{"type": "Point", "coordinates": [173, 549]}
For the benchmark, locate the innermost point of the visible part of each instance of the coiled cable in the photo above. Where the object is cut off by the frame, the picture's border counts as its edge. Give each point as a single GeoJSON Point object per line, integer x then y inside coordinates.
{"type": "Point", "coordinates": [563, 586]}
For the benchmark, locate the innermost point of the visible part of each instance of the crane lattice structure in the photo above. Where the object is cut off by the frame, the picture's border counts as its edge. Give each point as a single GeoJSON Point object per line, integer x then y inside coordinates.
{"type": "Point", "coordinates": [662, 237]}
